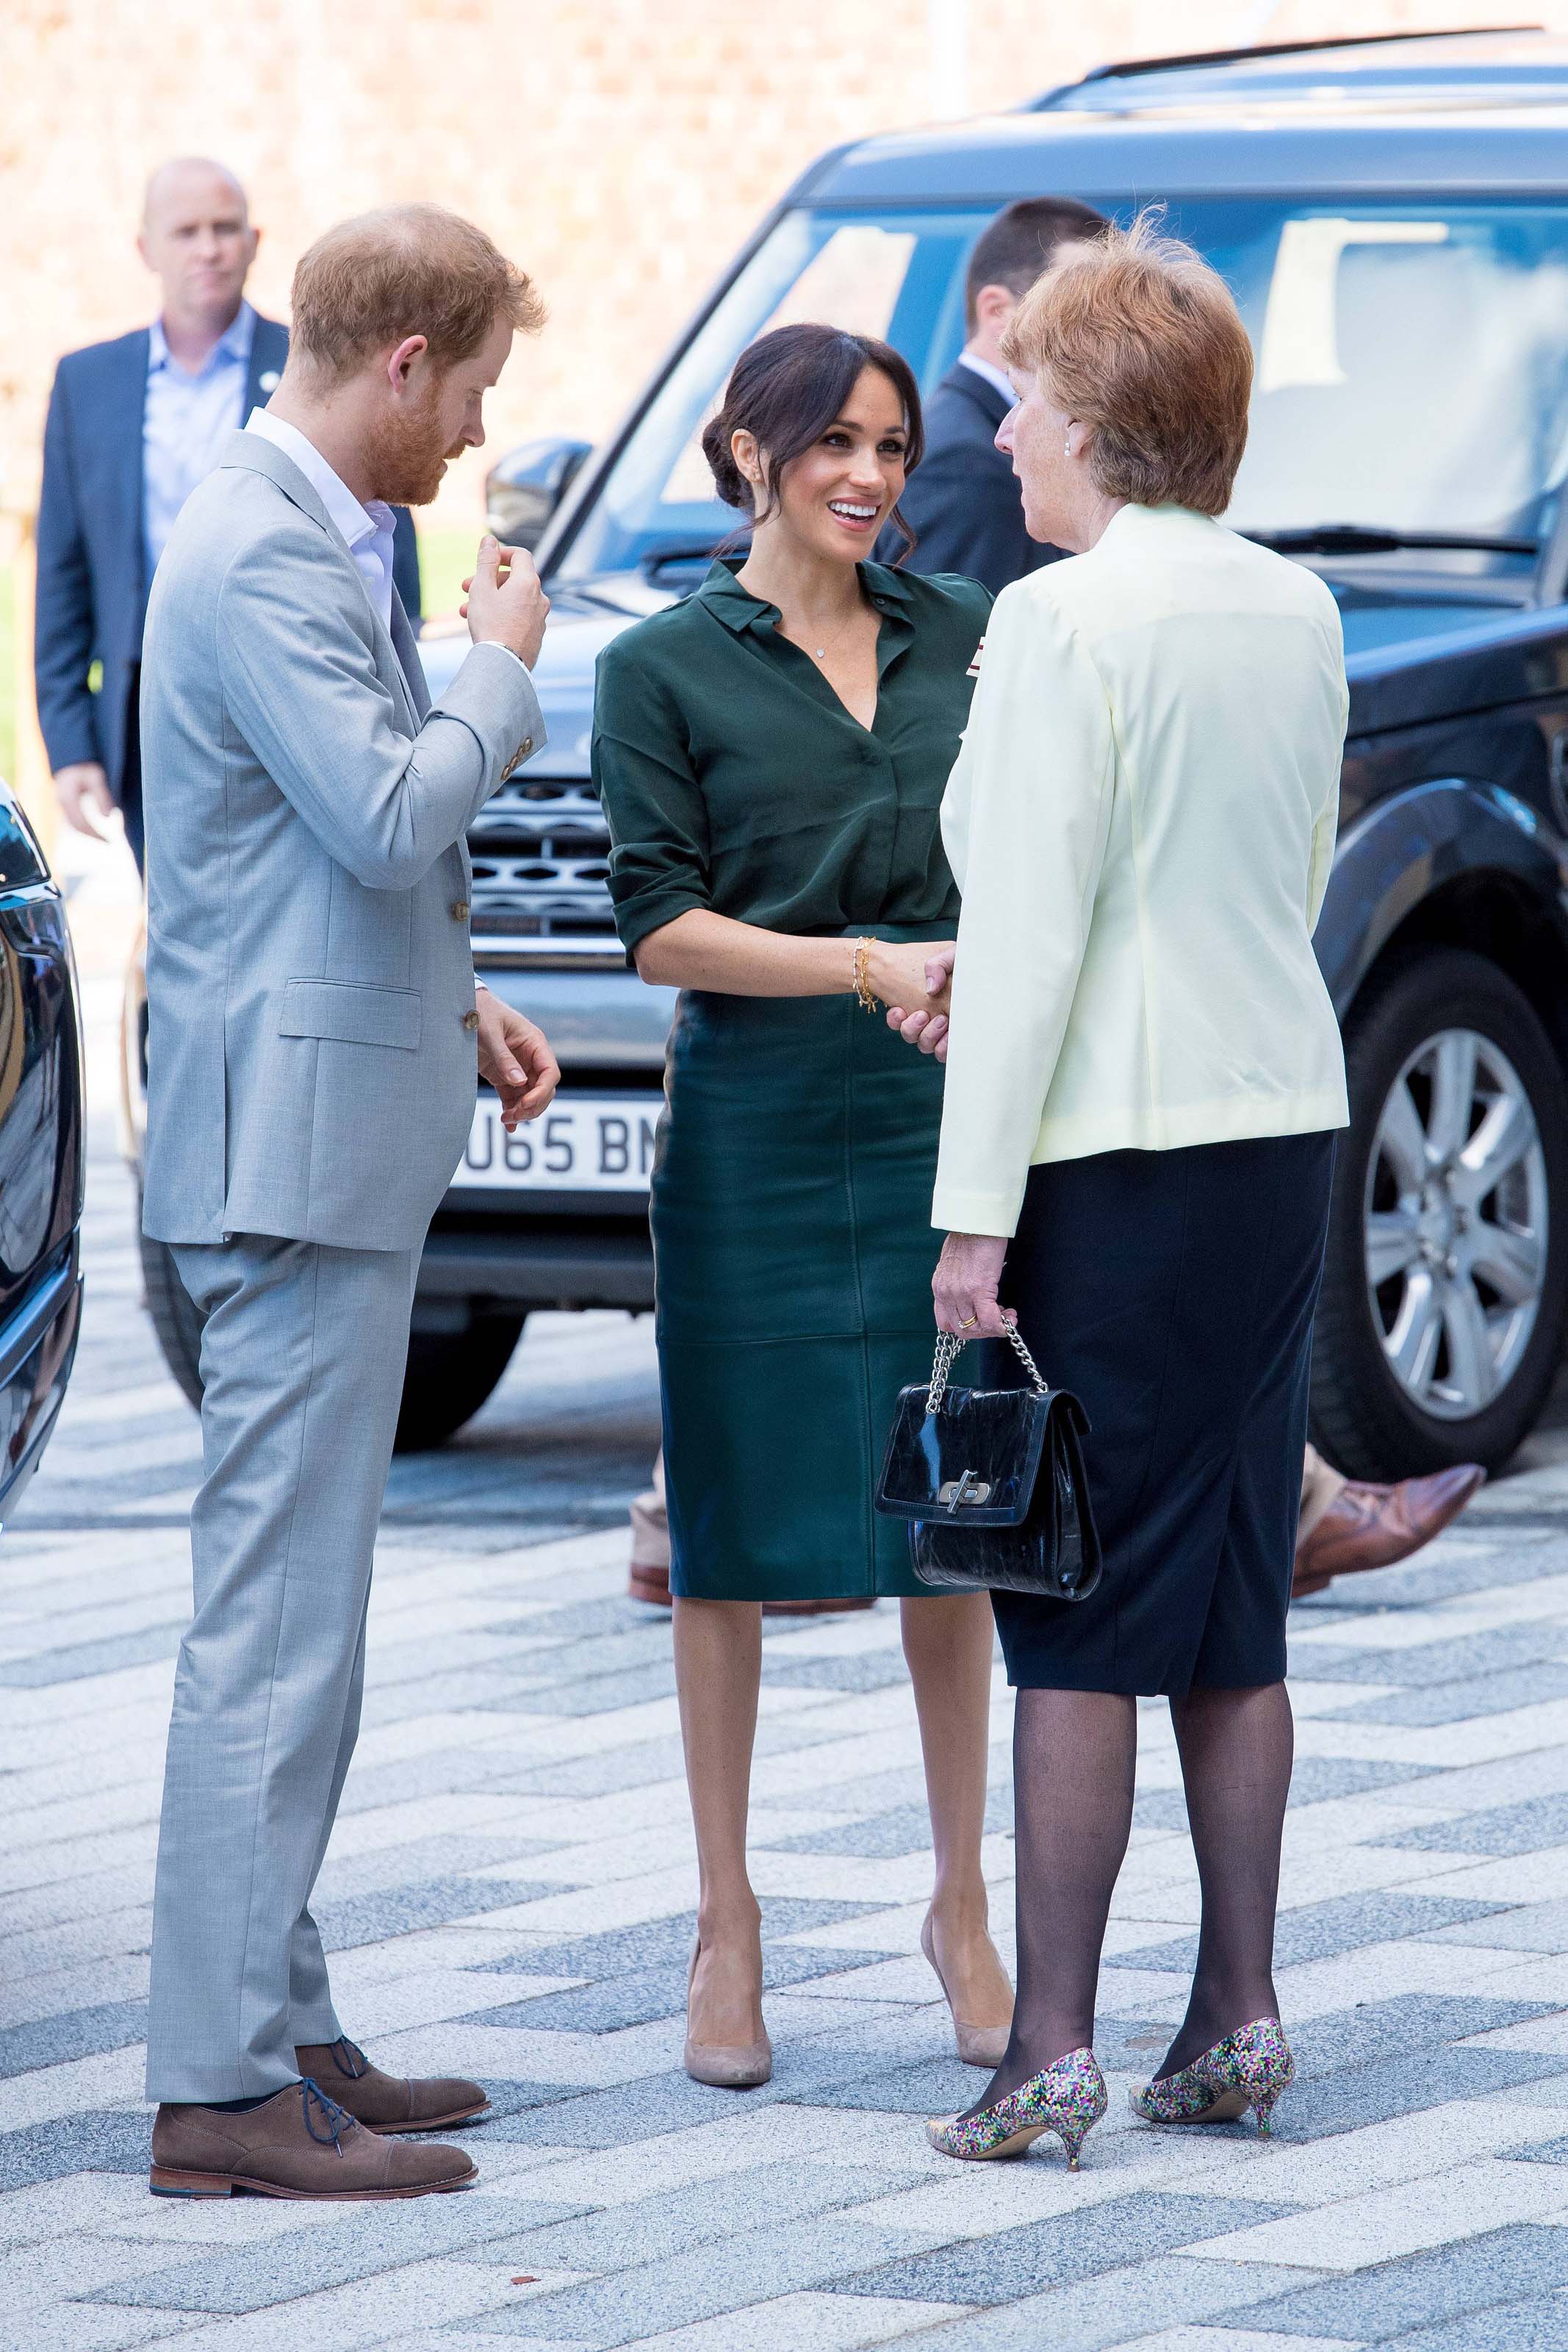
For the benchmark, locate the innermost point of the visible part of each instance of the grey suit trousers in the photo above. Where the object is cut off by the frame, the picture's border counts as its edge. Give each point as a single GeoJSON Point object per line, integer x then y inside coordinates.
{"type": "Point", "coordinates": [302, 1361]}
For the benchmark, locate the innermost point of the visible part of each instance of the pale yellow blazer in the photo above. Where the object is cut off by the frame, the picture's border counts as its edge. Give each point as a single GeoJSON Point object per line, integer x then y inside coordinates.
{"type": "Point", "coordinates": [1142, 822]}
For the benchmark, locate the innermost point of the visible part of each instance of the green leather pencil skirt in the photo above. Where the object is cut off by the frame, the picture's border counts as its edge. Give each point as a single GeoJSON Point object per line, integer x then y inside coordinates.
{"type": "Point", "coordinates": [792, 1219]}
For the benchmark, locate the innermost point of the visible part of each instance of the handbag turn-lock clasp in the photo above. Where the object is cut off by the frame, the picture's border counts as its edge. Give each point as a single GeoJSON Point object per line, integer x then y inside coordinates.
{"type": "Point", "coordinates": [956, 1492]}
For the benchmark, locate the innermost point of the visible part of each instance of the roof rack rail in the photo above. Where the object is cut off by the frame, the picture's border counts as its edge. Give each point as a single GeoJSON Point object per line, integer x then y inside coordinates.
{"type": "Point", "coordinates": [1269, 49]}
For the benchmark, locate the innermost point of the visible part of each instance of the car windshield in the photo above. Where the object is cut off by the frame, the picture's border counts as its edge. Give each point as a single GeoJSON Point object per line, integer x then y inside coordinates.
{"type": "Point", "coordinates": [1412, 362]}
{"type": "Point", "coordinates": [899, 276]}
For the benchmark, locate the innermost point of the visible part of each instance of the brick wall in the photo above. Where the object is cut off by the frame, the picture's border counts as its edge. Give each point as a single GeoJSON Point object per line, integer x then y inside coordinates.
{"type": "Point", "coordinates": [619, 148]}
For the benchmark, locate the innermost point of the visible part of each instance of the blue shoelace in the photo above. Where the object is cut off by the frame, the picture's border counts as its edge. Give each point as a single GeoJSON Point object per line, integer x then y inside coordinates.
{"type": "Point", "coordinates": [335, 2117]}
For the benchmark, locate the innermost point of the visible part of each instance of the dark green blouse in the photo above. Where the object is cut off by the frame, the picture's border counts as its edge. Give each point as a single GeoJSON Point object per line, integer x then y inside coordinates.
{"type": "Point", "coordinates": [733, 777]}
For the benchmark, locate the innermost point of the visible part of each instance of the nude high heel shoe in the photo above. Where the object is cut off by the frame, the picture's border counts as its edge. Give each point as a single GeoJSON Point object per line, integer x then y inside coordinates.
{"type": "Point", "coordinates": [978, 2045]}
{"type": "Point", "coordinates": [727, 2066]}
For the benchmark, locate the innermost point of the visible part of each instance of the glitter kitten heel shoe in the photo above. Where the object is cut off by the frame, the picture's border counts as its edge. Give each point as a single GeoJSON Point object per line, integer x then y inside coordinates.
{"type": "Point", "coordinates": [1249, 2068]}
{"type": "Point", "coordinates": [738, 2066]}
{"type": "Point", "coordinates": [1068, 2099]}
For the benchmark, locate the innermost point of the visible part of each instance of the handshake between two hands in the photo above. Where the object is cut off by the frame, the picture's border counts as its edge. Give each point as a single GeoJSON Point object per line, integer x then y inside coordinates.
{"type": "Point", "coordinates": [915, 983]}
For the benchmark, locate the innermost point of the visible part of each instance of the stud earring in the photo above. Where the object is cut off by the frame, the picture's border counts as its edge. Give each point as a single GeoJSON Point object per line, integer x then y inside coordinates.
{"type": "Point", "coordinates": [1067, 448]}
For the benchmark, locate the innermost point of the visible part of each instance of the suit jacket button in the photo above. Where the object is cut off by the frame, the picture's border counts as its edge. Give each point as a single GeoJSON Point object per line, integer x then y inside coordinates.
{"type": "Point", "coordinates": [525, 747]}
{"type": "Point", "coordinates": [471, 1020]}
{"type": "Point", "coordinates": [460, 911]}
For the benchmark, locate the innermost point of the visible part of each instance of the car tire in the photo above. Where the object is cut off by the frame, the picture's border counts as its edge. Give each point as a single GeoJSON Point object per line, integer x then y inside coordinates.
{"type": "Point", "coordinates": [450, 1375]}
{"type": "Point", "coordinates": [1369, 1420]}
{"type": "Point", "coordinates": [175, 1319]}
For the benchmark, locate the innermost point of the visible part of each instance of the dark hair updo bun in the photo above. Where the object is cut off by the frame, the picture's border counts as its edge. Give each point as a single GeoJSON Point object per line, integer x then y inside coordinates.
{"type": "Point", "coordinates": [786, 389]}
{"type": "Point", "coordinates": [727, 478]}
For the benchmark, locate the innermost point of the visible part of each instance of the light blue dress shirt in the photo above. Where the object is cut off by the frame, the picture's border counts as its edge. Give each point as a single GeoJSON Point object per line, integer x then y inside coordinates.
{"type": "Point", "coordinates": [187, 420]}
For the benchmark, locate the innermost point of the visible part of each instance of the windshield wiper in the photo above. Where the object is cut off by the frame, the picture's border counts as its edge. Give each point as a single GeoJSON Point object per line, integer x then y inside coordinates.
{"type": "Point", "coordinates": [1363, 539]}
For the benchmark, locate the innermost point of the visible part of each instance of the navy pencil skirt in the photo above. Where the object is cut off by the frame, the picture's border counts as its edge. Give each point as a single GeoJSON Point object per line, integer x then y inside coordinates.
{"type": "Point", "coordinates": [1174, 1292]}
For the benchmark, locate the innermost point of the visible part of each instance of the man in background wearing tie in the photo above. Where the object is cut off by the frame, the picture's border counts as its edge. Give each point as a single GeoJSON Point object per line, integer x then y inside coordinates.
{"type": "Point", "coordinates": [133, 425]}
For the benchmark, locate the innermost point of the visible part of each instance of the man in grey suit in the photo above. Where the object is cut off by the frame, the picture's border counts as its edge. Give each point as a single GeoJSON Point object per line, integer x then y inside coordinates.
{"type": "Point", "coordinates": [313, 1032]}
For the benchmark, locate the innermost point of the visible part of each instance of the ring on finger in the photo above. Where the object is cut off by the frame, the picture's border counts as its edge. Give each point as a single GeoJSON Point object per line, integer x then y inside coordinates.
{"type": "Point", "coordinates": [968, 1322]}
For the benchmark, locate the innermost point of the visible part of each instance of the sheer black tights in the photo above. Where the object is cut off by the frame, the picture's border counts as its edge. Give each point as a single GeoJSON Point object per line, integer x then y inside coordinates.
{"type": "Point", "coordinates": [1073, 1756]}
{"type": "Point", "coordinates": [1237, 1748]}
{"type": "Point", "coordinates": [1073, 1759]}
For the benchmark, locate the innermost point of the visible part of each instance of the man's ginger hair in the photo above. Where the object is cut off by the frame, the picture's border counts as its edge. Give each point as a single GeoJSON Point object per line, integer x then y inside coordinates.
{"type": "Point", "coordinates": [407, 270]}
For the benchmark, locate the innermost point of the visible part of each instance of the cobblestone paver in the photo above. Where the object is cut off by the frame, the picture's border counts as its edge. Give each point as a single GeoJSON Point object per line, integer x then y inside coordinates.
{"type": "Point", "coordinates": [509, 1895]}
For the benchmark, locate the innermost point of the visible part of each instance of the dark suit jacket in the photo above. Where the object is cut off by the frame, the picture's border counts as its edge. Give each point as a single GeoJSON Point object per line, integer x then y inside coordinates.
{"type": "Point", "coordinates": [963, 501]}
{"type": "Point", "coordinates": [92, 563]}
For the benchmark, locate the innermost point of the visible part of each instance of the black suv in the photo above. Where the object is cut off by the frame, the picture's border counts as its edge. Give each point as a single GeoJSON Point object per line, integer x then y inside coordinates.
{"type": "Point", "coordinates": [40, 1153]}
{"type": "Point", "coordinates": [1393, 217]}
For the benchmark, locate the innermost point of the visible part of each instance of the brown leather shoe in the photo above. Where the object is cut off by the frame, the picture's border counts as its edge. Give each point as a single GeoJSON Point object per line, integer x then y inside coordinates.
{"type": "Point", "coordinates": [386, 2103]}
{"type": "Point", "coordinates": [1369, 1525]}
{"type": "Point", "coordinates": [297, 2145]}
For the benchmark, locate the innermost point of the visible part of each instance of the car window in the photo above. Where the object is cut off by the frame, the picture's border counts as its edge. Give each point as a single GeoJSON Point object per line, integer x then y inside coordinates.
{"type": "Point", "coordinates": [898, 277]}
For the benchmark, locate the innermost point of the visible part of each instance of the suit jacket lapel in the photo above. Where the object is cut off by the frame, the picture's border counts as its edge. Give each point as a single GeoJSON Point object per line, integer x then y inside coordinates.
{"type": "Point", "coordinates": [262, 456]}
{"type": "Point", "coordinates": [405, 644]}
{"type": "Point", "coordinates": [268, 351]}
{"type": "Point", "coordinates": [974, 386]}
{"type": "Point", "coordinates": [128, 395]}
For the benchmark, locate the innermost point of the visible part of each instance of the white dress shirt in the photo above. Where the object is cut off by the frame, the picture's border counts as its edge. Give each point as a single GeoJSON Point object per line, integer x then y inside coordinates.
{"type": "Point", "coordinates": [366, 530]}
{"type": "Point", "coordinates": [185, 421]}
{"type": "Point", "coordinates": [992, 376]}
{"type": "Point", "coordinates": [1142, 823]}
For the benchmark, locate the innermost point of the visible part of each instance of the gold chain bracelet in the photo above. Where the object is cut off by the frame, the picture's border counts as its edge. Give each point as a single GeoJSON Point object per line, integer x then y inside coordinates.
{"type": "Point", "coordinates": [863, 989]}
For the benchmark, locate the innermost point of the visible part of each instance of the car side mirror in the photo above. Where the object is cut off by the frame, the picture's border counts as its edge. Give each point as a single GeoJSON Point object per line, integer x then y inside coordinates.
{"type": "Point", "coordinates": [22, 861]}
{"type": "Point", "coordinates": [524, 490]}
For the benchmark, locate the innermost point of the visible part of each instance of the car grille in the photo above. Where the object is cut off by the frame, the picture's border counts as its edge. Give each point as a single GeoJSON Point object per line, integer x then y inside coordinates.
{"type": "Point", "coordinates": [541, 865]}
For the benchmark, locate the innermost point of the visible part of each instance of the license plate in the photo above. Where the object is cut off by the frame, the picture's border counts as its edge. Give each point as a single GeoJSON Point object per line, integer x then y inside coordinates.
{"type": "Point", "coordinates": [584, 1143]}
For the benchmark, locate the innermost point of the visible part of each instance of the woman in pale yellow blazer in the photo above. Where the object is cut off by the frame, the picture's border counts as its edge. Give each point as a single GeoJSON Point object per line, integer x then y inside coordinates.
{"type": "Point", "coordinates": [1143, 1079]}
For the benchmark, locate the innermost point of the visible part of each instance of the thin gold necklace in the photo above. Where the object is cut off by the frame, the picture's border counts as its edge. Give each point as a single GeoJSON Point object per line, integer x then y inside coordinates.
{"type": "Point", "coordinates": [819, 653]}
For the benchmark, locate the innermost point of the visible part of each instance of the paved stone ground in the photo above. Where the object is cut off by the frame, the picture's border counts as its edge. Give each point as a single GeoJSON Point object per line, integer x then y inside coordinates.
{"type": "Point", "coordinates": [508, 1895]}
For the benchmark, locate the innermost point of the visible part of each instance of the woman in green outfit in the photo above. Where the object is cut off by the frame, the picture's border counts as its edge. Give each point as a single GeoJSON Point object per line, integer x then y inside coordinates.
{"type": "Point", "coordinates": [771, 756]}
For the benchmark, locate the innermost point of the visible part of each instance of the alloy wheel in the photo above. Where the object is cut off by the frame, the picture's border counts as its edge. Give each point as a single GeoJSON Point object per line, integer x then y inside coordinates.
{"type": "Point", "coordinates": [1456, 1220]}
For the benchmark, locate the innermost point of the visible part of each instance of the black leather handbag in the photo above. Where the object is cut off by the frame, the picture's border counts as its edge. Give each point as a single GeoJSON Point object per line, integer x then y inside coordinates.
{"type": "Point", "coordinates": [992, 1482]}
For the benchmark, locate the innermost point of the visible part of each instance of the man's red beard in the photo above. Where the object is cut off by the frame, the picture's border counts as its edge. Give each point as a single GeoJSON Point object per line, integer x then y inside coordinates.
{"type": "Point", "coordinates": [407, 454]}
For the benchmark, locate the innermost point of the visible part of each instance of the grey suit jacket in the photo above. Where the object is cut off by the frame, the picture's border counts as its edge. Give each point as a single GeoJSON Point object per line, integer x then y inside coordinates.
{"type": "Point", "coordinates": [311, 1070]}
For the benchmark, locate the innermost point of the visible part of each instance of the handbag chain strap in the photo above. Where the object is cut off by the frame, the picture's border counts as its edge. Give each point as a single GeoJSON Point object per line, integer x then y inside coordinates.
{"type": "Point", "coordinates": [948, 1343]}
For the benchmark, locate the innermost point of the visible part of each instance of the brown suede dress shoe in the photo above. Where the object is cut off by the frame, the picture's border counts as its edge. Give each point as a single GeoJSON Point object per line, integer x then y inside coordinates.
{"type": "Point", "coordinates": [1368, 1526]}
{"type": "Point", "coordinates": [298, 2144]}
{"type": "Point", "coordinates": [386, 2103]}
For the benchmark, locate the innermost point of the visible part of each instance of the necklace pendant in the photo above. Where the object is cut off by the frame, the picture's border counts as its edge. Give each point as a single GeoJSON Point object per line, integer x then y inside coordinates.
{"type": "Point", "coordinates": [821, 653]}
